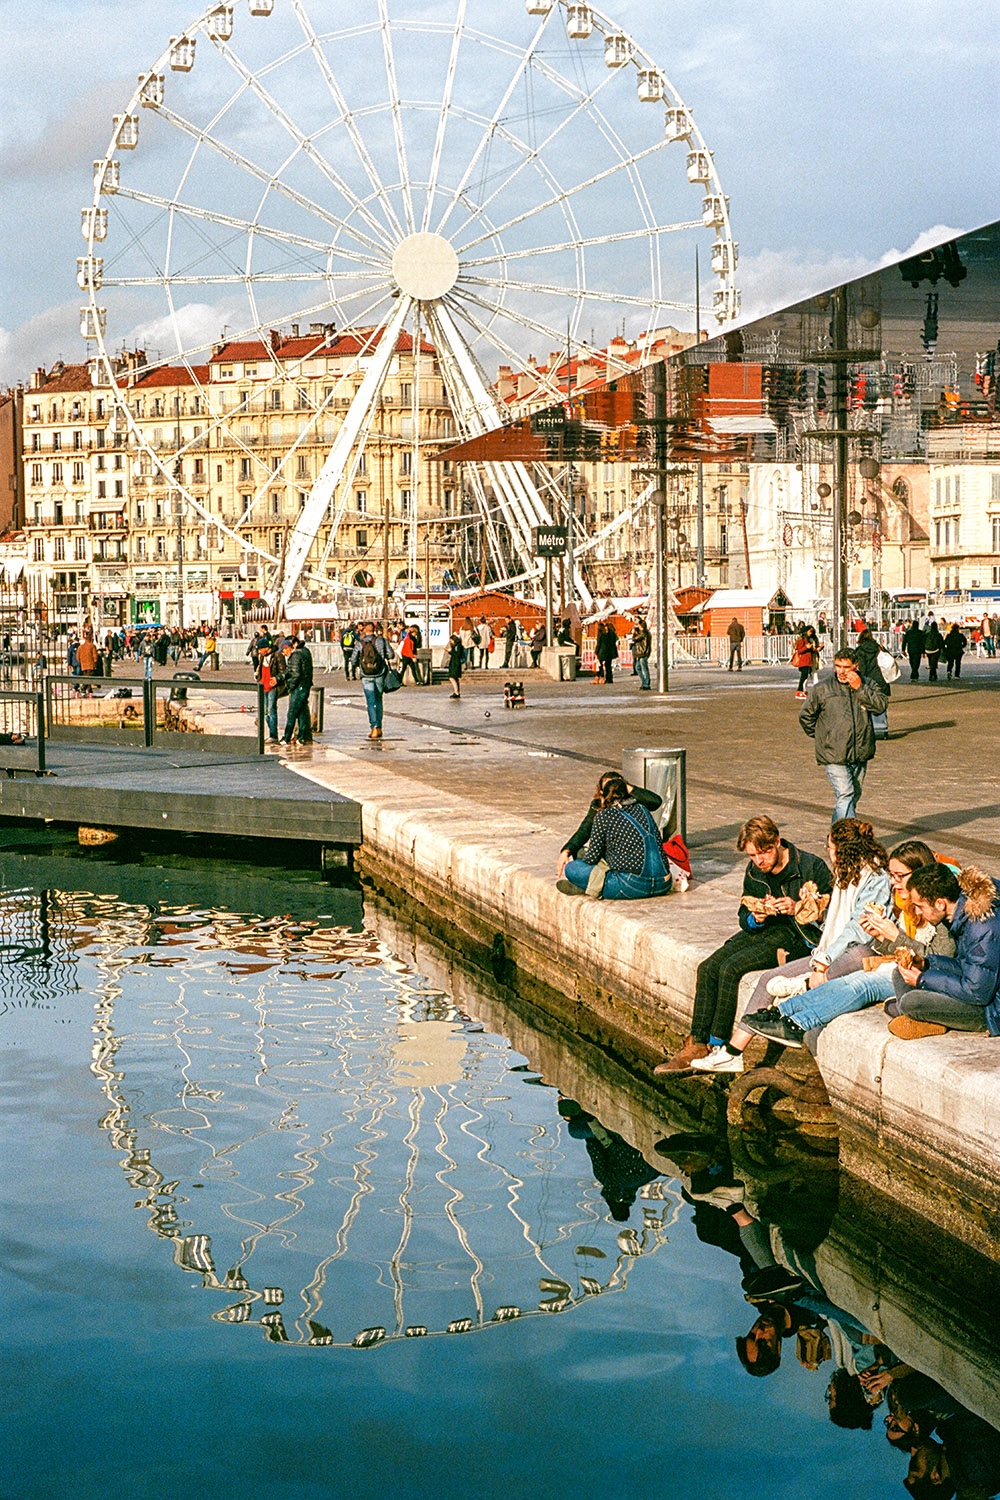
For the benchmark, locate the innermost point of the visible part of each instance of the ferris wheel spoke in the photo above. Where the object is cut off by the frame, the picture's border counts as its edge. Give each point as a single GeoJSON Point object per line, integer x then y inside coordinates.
{"type": "Point", "coordinates": [393, 224]}
{"type": "Point", "coordinates": [307, 526]}
{"type": "Point", "coordinates": [446, 99]}
{"type": "Point", "coordinates": [519, 361]}
{"type": "Point", "coordinates": [561, 198]}
{"type": "Point", "coordinates": [305, 145]}
{"type": "Point", "coordinates": [588, 294]}
{"type": "Point", "coordinates": [596, 239]}
{"type": "Point", "coordinates": [389, 57]}
{"type": "Point", "coordinates": [235, 278]}
{"type": "Point", "coordinates": [584, 104]}
{"type": "Point", "coordinates": [273, 181]}
{"type": "Point", "coordinates": [230, 221]}
{"type": "Point", "coordinates": [490, 128]}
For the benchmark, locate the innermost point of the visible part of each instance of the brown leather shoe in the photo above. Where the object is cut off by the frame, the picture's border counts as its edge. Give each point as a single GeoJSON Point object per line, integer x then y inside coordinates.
{"type": "Point", "coordinates": [682, 1060]}
{"type": "Point", "coordinates": [908, 1028]}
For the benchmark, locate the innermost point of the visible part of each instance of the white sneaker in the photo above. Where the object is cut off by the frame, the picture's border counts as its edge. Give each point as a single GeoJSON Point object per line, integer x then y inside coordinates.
{"type": "Point", "coordinates": [719, 1060]}
{"type": "Point", "coordinates": [784, 986]}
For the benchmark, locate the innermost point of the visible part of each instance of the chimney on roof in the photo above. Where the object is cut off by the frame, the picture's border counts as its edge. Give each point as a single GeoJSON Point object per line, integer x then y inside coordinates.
{"type": "Point", "coordinates": [317, 329]}
{"type": "Point", "coordinates": [274, 338]}
{"type": "Point", "coordinates": [295, 330]}
{"type": "Point", "coordinates": [58, 367]}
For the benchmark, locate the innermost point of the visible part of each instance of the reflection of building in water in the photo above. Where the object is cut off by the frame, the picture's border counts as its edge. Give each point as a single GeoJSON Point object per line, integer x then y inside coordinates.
{"type": "Point", "coordinates": [39, 937]}
{"type": "Point", "coordinates": [312, 1127]}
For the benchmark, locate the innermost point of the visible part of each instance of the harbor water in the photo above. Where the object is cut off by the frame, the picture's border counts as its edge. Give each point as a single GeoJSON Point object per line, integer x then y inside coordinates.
{"type": "Point", "coordinates": [293, 1205]}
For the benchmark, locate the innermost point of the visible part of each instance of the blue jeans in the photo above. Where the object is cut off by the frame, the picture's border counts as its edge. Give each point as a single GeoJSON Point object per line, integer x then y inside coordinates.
{"type": "Point", "coordinates": [837, 997]}
{"type": "Point", "coordinates": [642, 668]}
{"type": "Point", "coordinates": [618, 886]}
{"type": "Point", "coordinates": [149, 668]}
{"type": "Point", "coordinates": [298, 715]}
{"type": "Point", "coordinates": [373, 687]}
{"type": "Point", "coordinates": [271, 713]}
{"type": "Point", "coordinates": [847, 782]}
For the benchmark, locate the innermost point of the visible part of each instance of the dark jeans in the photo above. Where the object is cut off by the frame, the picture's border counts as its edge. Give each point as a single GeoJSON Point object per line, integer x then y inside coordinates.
{"type": "Point", "coordinates": [719, 975]}
{"type": "Point", "coordinates": [915, 666]}
{"type": "Point", "coordinates": [408, 661]}
{"type": "Point", "coordinates": [932, 665]}
{"type": "Point", "coordinates": [953, 662]}
{"type": "Point", "coordinates": [928, 1005]}
{"type": "Point", "coordinates": [736, 655]}
{"type": "Point", "coordinates": [605, 669]}
{"type": "Point", "coordinates": [348, 673]}
{"type": "Point", "coordinates": [298, 715]}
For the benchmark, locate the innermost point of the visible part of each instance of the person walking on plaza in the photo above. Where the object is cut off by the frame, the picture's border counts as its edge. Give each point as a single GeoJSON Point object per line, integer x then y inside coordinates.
{"type": "Point", "coordinates": [299, 675]}
{"type": "Point", "coordinates": [642, 644]}
{"type": "Point", "coordinates": [469, 637]}
{"type": "Point", "coordinates": [372, 654]}
{"type": "Point", "coordinates": [348, 638]}
{"type": "Point", "coordinates": [953, 651]}
{"type": "Point", "coordinates": [509, 640]}
{"type": "Point", "coordinates": [485, 632]}
{"type": "Point", "coordinates": [273, 678]}
{"type": "Point", "coordinates": [986, 635]}
{"type": "Point", "coordinates": [933, 646]}
{"type": "Point", "coordinates": [805, 656]}
{"type": "Point", "coordinates": [867, 649]}
{"type": "Point", "coordinates": [913, 646]}
{"type": "Point", "coordinates": [995, 628]}
{"type": "Point", "coordinates": [777, 880]}
{"type": "Point", "coordinates": [456, 661]}
{"type": "Point", "coordinates": [737, 635]}
{"type": "Point", "coordinates": [408, 655]}
{"type": "Point", "coordinates": [208, 649]}
{"type": "Point", "coordinates": [606, 651]}
{"type": "Point", "coordinates": [837, 715]}
{"type": "Point", "coordinates": [539, 640]}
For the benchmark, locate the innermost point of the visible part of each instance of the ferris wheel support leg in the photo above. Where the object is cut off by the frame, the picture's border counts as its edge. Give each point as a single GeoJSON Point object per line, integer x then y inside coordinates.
{"type": "Point", "coordinates": [307, 526]}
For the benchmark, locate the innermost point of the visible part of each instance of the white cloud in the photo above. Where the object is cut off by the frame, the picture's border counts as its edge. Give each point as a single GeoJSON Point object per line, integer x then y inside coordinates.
{"type": "Point", "coordinates": [197, 326]}
{"type": "Point", "coordinates": [773, 279]}
{"type": "Point", "coordinates": [50, 335]}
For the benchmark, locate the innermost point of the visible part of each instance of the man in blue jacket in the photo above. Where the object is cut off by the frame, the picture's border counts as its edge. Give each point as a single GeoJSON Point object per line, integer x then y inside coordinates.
{"type": "Point", "coordinates": [960, 993]}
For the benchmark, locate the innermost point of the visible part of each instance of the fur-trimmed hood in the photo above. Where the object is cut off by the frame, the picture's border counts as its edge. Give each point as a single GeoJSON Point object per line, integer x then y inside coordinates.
{"type": "Point", "coordinates": [981, 893]}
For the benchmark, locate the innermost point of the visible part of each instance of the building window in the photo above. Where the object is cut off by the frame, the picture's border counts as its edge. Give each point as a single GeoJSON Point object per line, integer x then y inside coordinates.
{"type": "Point", "coordinates": [406, 462]}
{"type": "Point", "coordinates": [36, 473]}
{"type": "Point", "coordinates": [406, 393]}
{"type": "Point", "coordinates": [995, 520]}
{"type": "Point", "coordinates": [102, 489]}
{"type": "Point", "coordinates": [60, 551]}
{"type": "Point", "coordinates": [140, 546]}
{"type": "Point", "coordinates": [449, 500]}
{"type": "Point", "coordinates": [360, 501]}
{"type": "Point", "coordinates": [957, 522]}
{"type": "Point", "coordinates": [119, 461]}
{"type": "Point", "coordinates": [80, 549]}
{"type": "Point", "coordinates": [78, 473]}
{"type": "Point", "coordinates": [56, 442]}
{"type": "Point", "coordinates": [996, 577]}
{"type": "Point", "coordinates": [119, 489]}
{"type": "Point", "coordinates": [361, 540]}
{"type": "Point", "coordinates": [301, 467]}
{"type": "Point", "coordinates": [363, 464]}
{"type": "Point", "coordinates": [244, 468]}
{"type": "Point", "coordinates": [937, 536]}
{"type": "Point", "coordinates": [275, 505]}
{"type": "Point", "coordinates": [405, 500]}
{"type": "Point", "coordinates": [39, 550]}
{"type": "Point", "coordinates": [57, 474]}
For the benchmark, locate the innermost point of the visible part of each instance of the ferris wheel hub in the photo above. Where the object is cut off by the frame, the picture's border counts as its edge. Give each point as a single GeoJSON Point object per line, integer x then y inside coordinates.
{"type": "Point", "coordinates": [425, 266]}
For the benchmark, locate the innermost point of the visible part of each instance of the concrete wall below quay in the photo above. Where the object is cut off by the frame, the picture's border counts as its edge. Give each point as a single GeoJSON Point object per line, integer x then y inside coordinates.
{"type": "Point", "coordinates": [919, 1121]}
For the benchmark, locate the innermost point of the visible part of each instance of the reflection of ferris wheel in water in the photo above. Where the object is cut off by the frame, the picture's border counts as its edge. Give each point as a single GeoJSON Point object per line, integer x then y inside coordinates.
{"type": "Point", "coordinates": [372, 1166]}
{"type": "Point", "coordinates": [414, 178]}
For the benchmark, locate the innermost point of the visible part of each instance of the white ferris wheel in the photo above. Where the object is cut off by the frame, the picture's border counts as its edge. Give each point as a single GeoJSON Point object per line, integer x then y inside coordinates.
{"type": "Point", "coordinates": [487, 182]}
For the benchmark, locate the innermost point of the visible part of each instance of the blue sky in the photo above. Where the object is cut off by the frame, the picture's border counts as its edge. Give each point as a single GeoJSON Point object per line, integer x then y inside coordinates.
{"type": "Point", "coordinates": [842, 134]}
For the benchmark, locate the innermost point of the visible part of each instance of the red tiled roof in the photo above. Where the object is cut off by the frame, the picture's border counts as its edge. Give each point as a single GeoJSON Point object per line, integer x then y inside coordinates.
{"type": "Point", "coordinates": [172, 375]}
{"type": "Point", "coordinates": [71, 378]}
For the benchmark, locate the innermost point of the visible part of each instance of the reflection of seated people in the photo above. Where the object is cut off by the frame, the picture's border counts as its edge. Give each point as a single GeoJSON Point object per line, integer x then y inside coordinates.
{"type": "Point", "coordinates": [620, 1169]}
{"type": "Point", "coordinates": [952, 1451]}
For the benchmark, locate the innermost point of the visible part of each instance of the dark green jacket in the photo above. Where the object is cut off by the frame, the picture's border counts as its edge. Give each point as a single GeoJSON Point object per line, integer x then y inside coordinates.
{"type": "Point", "coordinates": [839, 719]}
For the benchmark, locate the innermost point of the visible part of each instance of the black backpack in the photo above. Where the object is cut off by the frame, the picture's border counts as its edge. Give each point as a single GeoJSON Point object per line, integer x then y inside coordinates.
{"type": "Point", "coordinates": [370, 658]}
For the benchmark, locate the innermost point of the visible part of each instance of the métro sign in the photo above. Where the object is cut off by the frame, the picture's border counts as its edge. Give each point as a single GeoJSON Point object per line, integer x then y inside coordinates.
{"type": "Point", "coordinates": [549, 541]}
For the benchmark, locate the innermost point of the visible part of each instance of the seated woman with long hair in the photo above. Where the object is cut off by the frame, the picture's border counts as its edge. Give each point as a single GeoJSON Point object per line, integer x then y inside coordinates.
{"type": "Point", "coordinates": [624, 845]}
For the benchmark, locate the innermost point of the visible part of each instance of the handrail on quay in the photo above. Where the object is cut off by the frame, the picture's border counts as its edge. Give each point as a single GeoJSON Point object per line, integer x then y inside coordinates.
{"type": "Point", "coordinates": [36, 697]}
{"type": "Point", "coordinates": [148, 686]}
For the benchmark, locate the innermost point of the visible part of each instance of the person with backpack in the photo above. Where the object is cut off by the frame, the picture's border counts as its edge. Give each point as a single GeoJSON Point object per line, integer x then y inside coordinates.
{"type": "Point", "coordinates": [372, 654]}
{"type": "Point", "coordinates": [348, 640]}
{"type": "Point", "coordinates": [272, 675]}
{"type": "Point", "coordinates": [299, 672]}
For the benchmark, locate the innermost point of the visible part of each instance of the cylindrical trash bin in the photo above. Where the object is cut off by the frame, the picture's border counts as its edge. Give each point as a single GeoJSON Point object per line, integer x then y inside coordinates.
{"type": "Point", "coordinates": [663, 771]}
